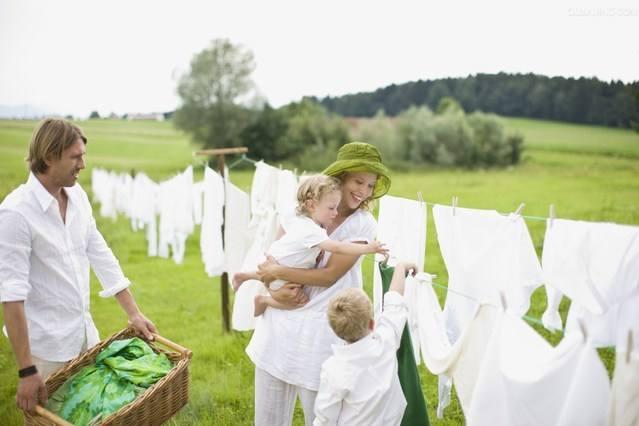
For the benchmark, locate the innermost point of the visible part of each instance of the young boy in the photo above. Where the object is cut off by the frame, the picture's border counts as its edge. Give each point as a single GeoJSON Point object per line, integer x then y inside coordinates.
{"type": "Point", "coordinates": [359, 383]}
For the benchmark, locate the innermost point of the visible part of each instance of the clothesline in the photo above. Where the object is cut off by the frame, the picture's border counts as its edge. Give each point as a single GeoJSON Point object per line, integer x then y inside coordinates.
{"type": "Point", "coordinates": [504, 214]}
{"type": "Point", "coordinates": [526, 317]}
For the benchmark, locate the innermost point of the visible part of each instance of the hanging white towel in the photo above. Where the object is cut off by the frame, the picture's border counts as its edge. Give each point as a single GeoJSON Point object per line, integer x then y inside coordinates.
{"type": "Point", "coordinates": [198, 209]}
{"type": "Point", "coordinates": [212, 219]}
{"type": "Point", "coordinates": [485, 253]}
{"type": "Point", "coordinates": [262, 230]}
{"type": "Point", "coordinates": [596, 265]}
{"type": "Point", "coordinates": [523, 380]}
{"type": "Point", "coordinates": [402, 227]}
{"type": "Point", "coordinates": [236, 220]}
{"type": "Point", "coordinates": [624, 407]}
{"type": "Point", "coordinates": [458, 362]}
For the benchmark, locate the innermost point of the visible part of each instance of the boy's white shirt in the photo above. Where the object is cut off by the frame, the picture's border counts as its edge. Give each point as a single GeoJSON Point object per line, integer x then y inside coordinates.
{"type": "Point", "coordinates": [359, 384]}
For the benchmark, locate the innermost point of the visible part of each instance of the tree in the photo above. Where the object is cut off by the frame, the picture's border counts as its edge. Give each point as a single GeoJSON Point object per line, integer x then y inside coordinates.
{"type": "Point", "coordinates": [94, 115]}
{"type": "Point", "coordinates": [212, 92]}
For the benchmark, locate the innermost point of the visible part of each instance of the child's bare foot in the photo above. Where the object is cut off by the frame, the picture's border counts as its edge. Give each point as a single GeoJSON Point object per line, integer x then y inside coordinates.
{"type": "Point", "coordinates": [238, 279]}
{"type": "Point", "coordinates": [260, 305]}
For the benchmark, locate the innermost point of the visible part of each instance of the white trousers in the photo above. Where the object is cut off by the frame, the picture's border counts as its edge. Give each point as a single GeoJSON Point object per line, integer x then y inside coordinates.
{"type": "Point", "coordinates": [275, 401]}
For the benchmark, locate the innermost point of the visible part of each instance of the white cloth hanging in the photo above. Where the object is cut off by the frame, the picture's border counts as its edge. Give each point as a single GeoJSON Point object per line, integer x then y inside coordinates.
{"type": "Point", "coordinates": [596, 265]}
{"type": "Point", "coordinates": [236, 220]}
{"type": "Point", "coordinates": [402, 227]}
{"type": "Point", "coordinates": [143, 210]}
{"type": "Point", "coordinates": [458, 361]}
{"type": "Point", "coordinates": [211, 246]}
{"type": "Point", "coordinates": [262, 230]}
{"type": "Point", "coordinates": [176, 215]}
{"type": "Point", "coordinates": [485, 253]}
{"type": "Point", "coordinates": [198, 209]}
{"type": "Point", "coordinates": [523, 380]}
{"type": "Point", "coordinates": [624, 409]}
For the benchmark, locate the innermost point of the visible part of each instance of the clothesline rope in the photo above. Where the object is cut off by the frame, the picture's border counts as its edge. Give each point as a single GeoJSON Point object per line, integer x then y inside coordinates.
{"type": "Point", "coordinates": [504, 214]}
{"type": "Point", "coordinates": [525, 317]}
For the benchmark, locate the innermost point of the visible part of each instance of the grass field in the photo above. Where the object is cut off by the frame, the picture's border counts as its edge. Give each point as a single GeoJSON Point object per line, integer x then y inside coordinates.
{"type": "Point", "coordinates": [589, 173]}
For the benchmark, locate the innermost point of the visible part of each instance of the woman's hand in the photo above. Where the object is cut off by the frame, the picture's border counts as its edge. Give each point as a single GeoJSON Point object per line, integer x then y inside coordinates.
{"type": "Point", "coordinates": [290, 294]}
{"type": "Point", "coordinates": [267, 270]}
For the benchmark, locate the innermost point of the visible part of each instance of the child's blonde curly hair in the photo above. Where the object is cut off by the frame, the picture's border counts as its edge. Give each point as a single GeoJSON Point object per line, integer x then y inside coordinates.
{"type": "Point", "coordinates": [314, 188]}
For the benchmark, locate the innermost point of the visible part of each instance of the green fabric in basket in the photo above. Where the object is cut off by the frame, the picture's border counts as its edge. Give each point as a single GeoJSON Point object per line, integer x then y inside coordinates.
{"type": "Point", "coordinates": [122, 371]}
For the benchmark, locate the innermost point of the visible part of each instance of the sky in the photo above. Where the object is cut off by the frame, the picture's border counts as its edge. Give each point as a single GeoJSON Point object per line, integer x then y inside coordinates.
{"type": "Point", "coordinates": [75, 56]}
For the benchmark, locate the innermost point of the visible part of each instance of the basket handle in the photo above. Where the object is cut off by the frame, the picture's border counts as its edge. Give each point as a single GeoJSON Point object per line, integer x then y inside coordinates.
{"type": "Point", "coordinates": [50, 416]}
{"type": "Point", "coordinates": [171, 345]}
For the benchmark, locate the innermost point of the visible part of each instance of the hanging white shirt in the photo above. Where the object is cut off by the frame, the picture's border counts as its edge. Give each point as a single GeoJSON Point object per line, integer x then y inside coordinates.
{"type": "Point", "coordinates": [597, 266]}
{"type": "Point", "coordinates": [261, 233]}
{"type": "Point", "coordinates": [211, 231]}
{"type": "Point", "coordinates": [402, 227]}
{"type": "Point", "coordinates": [624, 407]}
{"type": "Point", "coordinates": [292, 345]}
{"type": "Point", "coordinates": [45, 262]}
{"type": "Point", "coordinates": [485, 253]}
{"type": "Point", "coordinates": [299, 246]}
{"type": "Point", "coordinates": [236, 220]}
{"type": "Point", "coordinates": [523, 380]}
{"type": "Point", "coordinates": [359, 384]}
{"type": "Point", "coordinates": [459, 360]}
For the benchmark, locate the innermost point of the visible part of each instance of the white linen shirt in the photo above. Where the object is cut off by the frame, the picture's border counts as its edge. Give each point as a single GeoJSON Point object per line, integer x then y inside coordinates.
{"type": "Point", "coordinates": [359, 384]}
{"type": "Point", "coordinates": [45, 263]}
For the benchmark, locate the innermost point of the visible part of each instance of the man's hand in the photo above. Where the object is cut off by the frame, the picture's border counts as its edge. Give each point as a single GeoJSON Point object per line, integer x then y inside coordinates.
{"type": "Point", "coordinates": [266, 270]}
{"type": "Point", "coordinates": [31, 390]}
{"type": "Point", "coordinates": [290, 294]}
{"type": "Point", "coordinates": [142, 325]}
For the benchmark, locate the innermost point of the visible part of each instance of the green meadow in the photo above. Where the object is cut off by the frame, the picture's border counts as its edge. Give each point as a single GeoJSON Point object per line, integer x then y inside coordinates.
{"type": "Point", "coordinates": [589, 173]}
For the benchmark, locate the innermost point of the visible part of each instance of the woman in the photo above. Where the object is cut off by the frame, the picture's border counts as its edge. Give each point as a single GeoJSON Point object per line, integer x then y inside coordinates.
{"type": "Point", "coordinates": [289, 347]}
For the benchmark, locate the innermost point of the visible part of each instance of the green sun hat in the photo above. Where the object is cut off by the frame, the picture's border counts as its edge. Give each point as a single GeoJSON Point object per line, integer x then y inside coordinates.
{"type": "Point", "coordinates": [361, 157]}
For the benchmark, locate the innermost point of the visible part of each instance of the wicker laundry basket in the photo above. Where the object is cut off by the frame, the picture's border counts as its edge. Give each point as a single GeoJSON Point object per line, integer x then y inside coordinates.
{"type": "Point", "coordinates": [156, 405]}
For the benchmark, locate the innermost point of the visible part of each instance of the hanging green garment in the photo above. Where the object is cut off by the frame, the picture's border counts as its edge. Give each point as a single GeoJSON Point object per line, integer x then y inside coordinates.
{"type": "Point", "coordinates": [416, 413]}
{"type": "Point", "coordinates": [122, 371]}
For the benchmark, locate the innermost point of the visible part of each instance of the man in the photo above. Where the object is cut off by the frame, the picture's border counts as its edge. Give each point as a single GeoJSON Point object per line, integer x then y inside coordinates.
{"type": "Point", "coordinates": [48, 241]}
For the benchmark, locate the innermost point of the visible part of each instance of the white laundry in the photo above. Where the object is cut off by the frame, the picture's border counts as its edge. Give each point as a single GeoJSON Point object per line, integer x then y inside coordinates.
{"type": "Point", "coordinates": [624, 409]}
{"type": "Point", "coordinates": [236, 220]}
{"type": "Point", "coordinates": [176, 215]}
{"type": "Point", "coordinates": [143, 210]}
{"type": "Point", "coordinates": [262, 230]}
{"type": "Point", "coordinates": [211, 244]}
{"type": "Point", "coordinates": [523, 380]}
{"type": "Point", "coordinates": [596, 265]}
{"type": "Point", "coordinates": [551, 318]}
{"type": "Point", "coordinates": [198, 210]}
{"type": "Point", "coordinates": [402, 227]}
{"type": "Point", "coordinates": [286, 192]}
{"type": "Point", "coordinates": [103, 187]}
{"type": "Point", "coordinates": [459, 361]}
{"type": "Point", "coordinates": [485, 253]}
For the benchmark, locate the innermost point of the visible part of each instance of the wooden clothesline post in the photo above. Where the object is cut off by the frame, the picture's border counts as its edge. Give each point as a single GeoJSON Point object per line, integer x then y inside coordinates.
{"type": "Point", "coordinates": [224, 281]}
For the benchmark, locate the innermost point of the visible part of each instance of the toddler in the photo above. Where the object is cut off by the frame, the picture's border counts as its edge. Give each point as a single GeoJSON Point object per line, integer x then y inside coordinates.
{"type": "Point", "coordinates": [305, 236]}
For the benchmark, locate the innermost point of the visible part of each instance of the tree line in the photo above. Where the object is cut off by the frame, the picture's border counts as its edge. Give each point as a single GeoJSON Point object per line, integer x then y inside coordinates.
{"type": "Point", "coordinates": [582, 100]}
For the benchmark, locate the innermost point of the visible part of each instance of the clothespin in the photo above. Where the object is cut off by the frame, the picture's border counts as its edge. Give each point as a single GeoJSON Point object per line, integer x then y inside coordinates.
{"type": "Point", "coordinates": [582, 326]}
{"type": "Point", "coordinates": [629, 348]}
{"type": "Point", "coordinates": [454, 203]}
{"type": "Point", "coordinates": [551, 214]}
{"type": "Point", "coordinates": [520, 208]}
{"type": "Point", "coordinates": [502, 297]}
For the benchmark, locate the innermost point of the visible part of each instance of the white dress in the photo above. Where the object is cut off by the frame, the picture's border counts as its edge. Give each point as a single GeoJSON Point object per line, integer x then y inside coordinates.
{"type": "Point", "coordinates": [299, 246]}
{"type": "Point", "coordinates": [292, 345]}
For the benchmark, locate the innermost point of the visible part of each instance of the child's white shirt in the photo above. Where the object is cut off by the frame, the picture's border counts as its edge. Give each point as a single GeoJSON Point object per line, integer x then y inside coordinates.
{"type": "Point", "coordinates": [299, 246]}
{"type": "Point", "coordinates": [359, 384]}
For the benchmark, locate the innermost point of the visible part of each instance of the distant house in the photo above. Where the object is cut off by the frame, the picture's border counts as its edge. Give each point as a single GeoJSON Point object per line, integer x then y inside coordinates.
{"type": "Point", "coordinates": [155, 116]}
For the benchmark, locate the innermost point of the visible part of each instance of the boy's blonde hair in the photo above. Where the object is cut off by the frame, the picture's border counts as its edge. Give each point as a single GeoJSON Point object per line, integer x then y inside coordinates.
{"type": "Point", "coordinates": [349, 314]}
{"type": "Point", "coordinates": [314, 188]}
